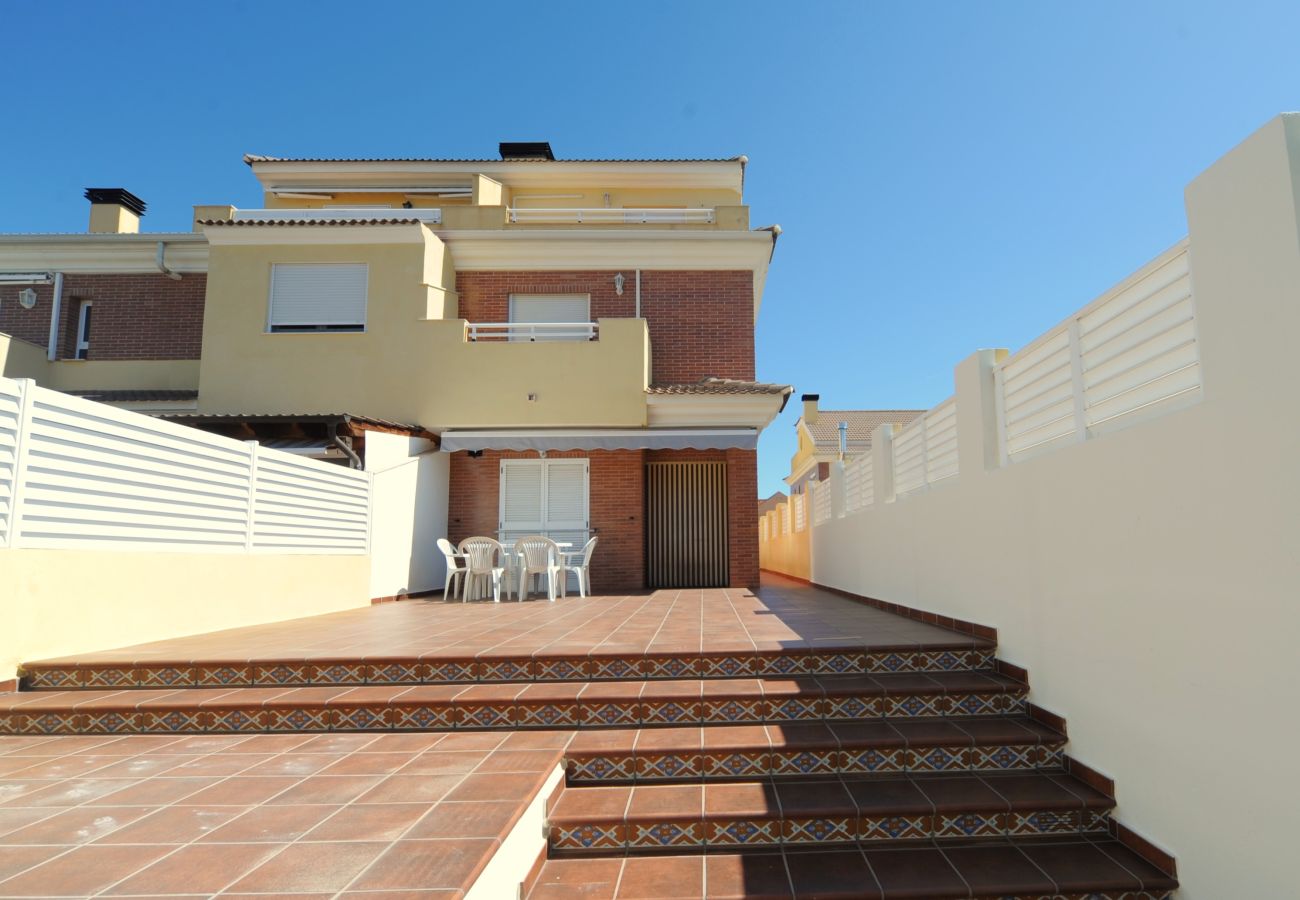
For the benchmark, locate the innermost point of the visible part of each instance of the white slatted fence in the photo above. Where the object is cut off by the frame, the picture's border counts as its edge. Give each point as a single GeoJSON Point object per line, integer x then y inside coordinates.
{"type": "Point", "coordinates": [79, 474]}
{"type": "Point", "coordinates": [925, 452]}
{"type": "Point", "coordinates": [821, 502]}
{"type": "Point", "coordinates": [1130, 354]}
{"type": "Point", "coordinates": [859, 484]}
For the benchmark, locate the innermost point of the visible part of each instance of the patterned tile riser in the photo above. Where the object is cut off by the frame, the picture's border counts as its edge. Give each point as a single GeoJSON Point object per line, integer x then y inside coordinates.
{"type": "Point", "coordinates": [662, 767]}
{"type": "Point", "coordinates": [833, 829]}
{"type": "Point", "coordinates": [511, 670]}
{"type": "Point", "coordinates": [511, 715]}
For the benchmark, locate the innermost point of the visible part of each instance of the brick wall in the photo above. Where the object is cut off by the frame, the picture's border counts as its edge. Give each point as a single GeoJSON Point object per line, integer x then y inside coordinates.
{"type": "Point", "coordinates": [617, 504]}
{"type": "Point", "coordinates": [701, 323]}
{"type": "Point", "coordinates": [135, 316]}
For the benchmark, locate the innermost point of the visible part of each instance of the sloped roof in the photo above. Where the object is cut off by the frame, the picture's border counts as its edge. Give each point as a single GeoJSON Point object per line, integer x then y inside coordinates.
{"type": "Point", "coordinates": [134, 396]}
{"type": "Point", "coordinates": [826, 430]}
{"type": "Point", "coordinates": [720, 386]}
{"type": "Point", "coordinates": [772, 502]}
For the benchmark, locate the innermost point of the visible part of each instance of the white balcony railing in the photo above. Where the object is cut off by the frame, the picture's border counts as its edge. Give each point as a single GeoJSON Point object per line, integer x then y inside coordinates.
{"type": "Point", "coordinates": [532, 331]}
{"type": "Point", "coordinates": [338, 214]}
{"type": "Point", "coordinates": [609, 216]}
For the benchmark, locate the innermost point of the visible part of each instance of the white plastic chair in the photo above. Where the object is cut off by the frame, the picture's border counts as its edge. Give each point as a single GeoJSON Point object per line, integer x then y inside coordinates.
{"type": "Point", "coordinates": [482, 558]}
{"type": "Point", "coordinates": [579, 564]}
{"type": "Point", "coordinates": [537, 555]}
{"type": "Point", "coordinates": [455, 570]}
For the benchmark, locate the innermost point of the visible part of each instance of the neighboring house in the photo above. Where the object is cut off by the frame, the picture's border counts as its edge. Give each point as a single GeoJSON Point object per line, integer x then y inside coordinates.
{"type": "Point", "coordinates": [772, 502]}
{"type": "Point", "coordinates": [818, 432]}
{"type": "Point", "coordinates": [575, 336]}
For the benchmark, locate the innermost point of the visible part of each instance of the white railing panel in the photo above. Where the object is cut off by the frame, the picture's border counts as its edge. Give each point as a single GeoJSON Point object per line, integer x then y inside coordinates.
{"type": "Point", "coordinates": [610, 215]}
{"type": "Point", "coordinates": [822, 503]}
{"type": "Point", "coordinates": [79, 474]}
{"type": "Point", "coordinates": [909, 458]}
{"type": "Point", "coordinates": [941, 442]}
{"type": "Point", "coordinates": [1130, 354]}
{"type": "Point", "coordinates": [800, 504]}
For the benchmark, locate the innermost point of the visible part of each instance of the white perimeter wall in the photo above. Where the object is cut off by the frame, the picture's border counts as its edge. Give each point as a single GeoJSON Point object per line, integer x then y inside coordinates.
{"type": "Point", "coordinates": [409, 514]}
{"type": "Point", "coordinates": [1148, 578]}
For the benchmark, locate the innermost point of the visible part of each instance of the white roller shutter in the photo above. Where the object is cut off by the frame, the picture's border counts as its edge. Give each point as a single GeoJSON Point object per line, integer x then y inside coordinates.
{"type": "Point", "coordinates": [544, 497]}
{"type": "Point", "coordinates": [547, 308]}
{"type": "Point", "coordinates": [328, 296]}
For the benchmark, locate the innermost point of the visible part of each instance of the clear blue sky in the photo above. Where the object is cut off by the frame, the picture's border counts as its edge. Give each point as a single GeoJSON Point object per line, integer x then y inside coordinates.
{"type": "Point", "coordinates": [949, 176]}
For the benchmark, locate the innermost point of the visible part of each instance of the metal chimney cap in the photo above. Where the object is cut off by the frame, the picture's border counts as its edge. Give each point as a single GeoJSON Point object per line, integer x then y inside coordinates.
{"type": "Point", "coordinates": [120, 196]}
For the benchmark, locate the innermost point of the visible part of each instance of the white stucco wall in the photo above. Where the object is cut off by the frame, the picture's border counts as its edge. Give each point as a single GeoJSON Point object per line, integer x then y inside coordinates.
{"type": "Point", "coordinates": [1149, 578]}
{"type": "Point", "coordinates": [409, 513]}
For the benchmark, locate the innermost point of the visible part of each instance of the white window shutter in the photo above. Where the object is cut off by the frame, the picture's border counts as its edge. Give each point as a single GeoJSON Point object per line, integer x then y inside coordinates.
{"type": "Point", "coordinates": [521, 496]}
{"type": "Point", "coordinates": [308, 296]}
{"type": "Point", "coordinates": [566, 495]}
{"type": "Point", "coordinates": [548, 308]}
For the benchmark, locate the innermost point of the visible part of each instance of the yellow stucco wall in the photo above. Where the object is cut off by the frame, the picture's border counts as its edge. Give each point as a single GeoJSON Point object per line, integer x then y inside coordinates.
{"type": "Point", "coordinates": [408, 365]}
{"type": "Point", "coordinates": [60, 602]}
{"type": "Point", "coordinates": [21, 359]}
{"type": "Point", "coordinates": [789, 554]}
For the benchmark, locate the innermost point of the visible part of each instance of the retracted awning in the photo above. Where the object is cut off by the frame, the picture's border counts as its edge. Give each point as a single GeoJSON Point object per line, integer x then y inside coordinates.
{"type": "Point", "coordinates": [603, 439]}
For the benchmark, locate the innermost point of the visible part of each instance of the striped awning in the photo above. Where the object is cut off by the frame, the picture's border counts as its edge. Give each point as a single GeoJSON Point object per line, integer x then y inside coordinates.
{"type": "Point", "coordinates": [602, 439]}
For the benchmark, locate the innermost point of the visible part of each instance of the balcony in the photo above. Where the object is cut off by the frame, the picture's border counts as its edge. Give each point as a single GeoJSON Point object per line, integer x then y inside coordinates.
{"type": "Point", "coordinates": [610, 216]}
{"type": "Point", "coordinates": [535, 331]}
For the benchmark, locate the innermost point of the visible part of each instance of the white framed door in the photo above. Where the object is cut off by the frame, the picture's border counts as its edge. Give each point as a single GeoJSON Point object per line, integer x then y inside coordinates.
{"type": "Point", "coordinates": [544, 496]}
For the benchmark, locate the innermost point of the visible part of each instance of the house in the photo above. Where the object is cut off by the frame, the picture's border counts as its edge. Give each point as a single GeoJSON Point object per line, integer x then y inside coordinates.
{"type": "Point", "coordinates": [818, 434]}
{"type": "Point", "coordinates": [511, 345]}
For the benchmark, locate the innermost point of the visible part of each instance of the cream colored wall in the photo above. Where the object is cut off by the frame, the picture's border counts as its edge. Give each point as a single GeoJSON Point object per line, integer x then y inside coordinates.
{"type": "Point", "coordinates": [408, 513]}
{"type": "Point", "coordinates": [60, 602]}
{"type": "Point", "coordinates": [405, 367]}
{"type": "Point", "coordinates": [1148, 578]}
{"type": "Point", "coordinates": [113, 219]}
{"type": "Point", "coordinates": [789, 554]}
{"type": "Point", "coordinates": [632, 198]}
{"type": "Point", "coordinates": [21, 359]}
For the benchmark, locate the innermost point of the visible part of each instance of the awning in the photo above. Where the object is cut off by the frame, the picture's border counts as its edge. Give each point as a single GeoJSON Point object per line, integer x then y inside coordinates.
{"type": "Point", "coordinates": [603, 439]}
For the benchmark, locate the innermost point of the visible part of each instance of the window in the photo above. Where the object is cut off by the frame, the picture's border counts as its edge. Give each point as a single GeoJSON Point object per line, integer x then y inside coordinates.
{"type": "Point", "coordinates": [551, 309]}
{"type": "Point", "coordinates": [83, 329]}
{"type": "Point", "coordinates": [322, 297]}
{"type": "Point", "coordinates": [544, 496]}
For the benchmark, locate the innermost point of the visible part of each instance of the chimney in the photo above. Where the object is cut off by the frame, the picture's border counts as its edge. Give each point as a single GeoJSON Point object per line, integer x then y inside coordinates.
{"type": "Point", "coordinates": [526, 150]}
{"type": "Point", "coordinates": [810, 408]}
{"type": "Point", "coordinates": [114, 211]}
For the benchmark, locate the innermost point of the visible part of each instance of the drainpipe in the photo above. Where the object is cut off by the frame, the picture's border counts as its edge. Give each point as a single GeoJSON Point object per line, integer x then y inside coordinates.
{"type": "Point", "coordinates": [174, 276]}
{"type": "Point", "coordinates": [336, 440]}
{"type": "Point", "coordinates": [52, 350]}
{"type": "Point", "coordinates": [638, 293]}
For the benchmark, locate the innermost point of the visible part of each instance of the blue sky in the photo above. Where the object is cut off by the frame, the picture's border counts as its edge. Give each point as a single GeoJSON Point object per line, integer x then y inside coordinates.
{"type": "Point", "coordinates": [948, 176]}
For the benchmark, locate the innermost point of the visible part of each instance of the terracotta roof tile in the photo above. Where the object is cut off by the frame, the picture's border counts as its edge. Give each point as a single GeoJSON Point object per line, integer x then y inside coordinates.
{"type": "Point", "coordinates": [826, 430]}
{"type": "Point", "coordinates": [391, 221]}
{"type": "Point", "coordinates": [721, 386]}
{"type": "Point", "coordinates": [123, 396]}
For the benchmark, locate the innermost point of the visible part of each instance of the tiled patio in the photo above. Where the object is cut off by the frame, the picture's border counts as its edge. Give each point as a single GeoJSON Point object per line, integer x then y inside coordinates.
{"type": "Point", "coordinates": [330, 815]}
{"type": "Point", "coordinates": [715, 743]}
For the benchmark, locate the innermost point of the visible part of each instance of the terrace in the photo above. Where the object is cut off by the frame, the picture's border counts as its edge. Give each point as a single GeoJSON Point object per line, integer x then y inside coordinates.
{"type": "Point", "coordinates": [423, 746]}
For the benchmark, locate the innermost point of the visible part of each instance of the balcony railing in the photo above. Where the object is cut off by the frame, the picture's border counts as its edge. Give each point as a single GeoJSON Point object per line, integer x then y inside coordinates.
{"type": "Point", "coordinates": [532, 331]}
{"type": "Point", "coordinates": [337, 214]}
{"type": "Point", "coordinates": [602, 215]}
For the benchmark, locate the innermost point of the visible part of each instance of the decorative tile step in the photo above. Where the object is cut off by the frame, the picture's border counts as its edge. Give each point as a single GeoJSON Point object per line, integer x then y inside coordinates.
{"type": "Point", "coordinates": [848, 808]}
{"type": "Point", "coordinates": [1009, 869]}
{"type": "Point", "coordinates": [962, 653]}
{"type": "Point", "coordinates": [679, 753]}
{"type": "Point", "coordinates": [568, 705]}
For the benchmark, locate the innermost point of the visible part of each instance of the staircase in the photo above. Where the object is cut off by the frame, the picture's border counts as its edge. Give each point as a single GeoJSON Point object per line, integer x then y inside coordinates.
{"type": "Point", "coordinates": [912, 770]}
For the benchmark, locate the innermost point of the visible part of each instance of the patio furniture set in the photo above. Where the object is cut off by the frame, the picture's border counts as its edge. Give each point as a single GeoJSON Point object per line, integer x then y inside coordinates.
{"type": "Point", "coordinates": [483, 560]}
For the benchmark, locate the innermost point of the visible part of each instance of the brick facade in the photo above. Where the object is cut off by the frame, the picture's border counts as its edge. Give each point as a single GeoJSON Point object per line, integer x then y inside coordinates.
{"type": "Point", "coordinates": [701, 323]}
{"type": "Point", "coordinates": [144, 316]}
{"type": "Point", "coordinates": [617, 506]}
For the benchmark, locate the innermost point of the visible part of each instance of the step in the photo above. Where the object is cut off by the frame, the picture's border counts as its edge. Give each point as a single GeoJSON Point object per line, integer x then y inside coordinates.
{"type": "Point", "coordinates": [977, 743]}
{"type": "Point", "coordinates": [961, 653]}
{"type": "Point", "coordinates": [1093, 868]}
{"type": "Point", "coordinates": [824, 810]}
{"type": "Point", "coordinates": [565, 705]}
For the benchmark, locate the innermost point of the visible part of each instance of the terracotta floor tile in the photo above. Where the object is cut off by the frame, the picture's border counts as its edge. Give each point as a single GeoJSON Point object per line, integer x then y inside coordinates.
{"type": "Point", "coordinates": [73, 792]}
{"type": "Point", "coordinates": [915, 873]}
{"type": "Point", "coordinates": [306, 867]}
{"type": "Point", "coordinates": [241, 791]}
{"type": "Point", "coordinates": [15, 859]}
{"type": "Point", "coordinates": [496, 787]}
{"type": "Point", "coordinates": [330, 789]}
{"type": "Point", "coordinates": [293, 764]}
{"type": "Point", "coordinates": [746, 877]}
{"type": "Point", "coordinates": [591, 804]}
{"type": "Point", "coordinates": [76, 826]}
{"type": "Point", "coordinates": [588, 879]}
{"type": "Point", "coordinates": [173, 825]}
{"type": "Point", "coordinates": [662, 878]}
{"type": "Point", "coordinates": [832, 875]}
{"type": "Point", "coordinates": [416, 788]}
{"type": "Point", "coordinates": [83, 871]}
{"type": "Point", "coordinates": [373, 822]}
{"type": "Point", "coordinates": [677, 800]}
{"type": "Point", "coordinates": [421, 865]}
{"type": "Point", "coordinates": [270, 824]}
{"type": "Point", "coordinates": [368, 763]}
{"type": "Point", "coordinates": [519, 761]}
{"type": "Point", "coordinates": [996, 871]}
{"type": "Point", "coordinates": [196, 869]}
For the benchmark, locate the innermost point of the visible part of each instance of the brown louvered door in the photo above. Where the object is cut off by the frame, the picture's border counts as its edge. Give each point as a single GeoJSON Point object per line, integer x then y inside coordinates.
{"type": "Point", "coordinates": [686, 524]}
